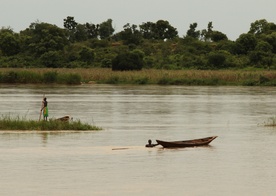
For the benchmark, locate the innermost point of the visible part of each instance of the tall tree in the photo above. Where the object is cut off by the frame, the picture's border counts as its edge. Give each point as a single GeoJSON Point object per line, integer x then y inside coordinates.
{"type": "Point", "coordinates": [163, 30]}
{"type": "Point", "coordinates": [147, 30]}
{"type": "Point", "coordinates": [262, 55]}
{"type": "Point", "coordinates": [44, 37]}
{"type": "Point", "coordinates": [192, 32]}
{"type": "Point", "coordinates": [130, 35]}
{"type": "Point", "coordinates": [206, 34]}
{"type": "Point", "coordinates": [271, 39]}
{"type": "Point", "coordinates": [9, 42]}
{"type": "Point", "coordinates": [69, 23]}
{"type": "Point", "coordinates": [81, 33]}
{"type": "Point", "coordinates": [160, 30]}
{"type": "Point", "coordinates": [106, 29]}
{"type": "Point", "coordinates": [217, 36]}
{"type": "Point", "coordinates": [262, 27]}
{"type": "Point", "coordinates": [92, 30]}
{"type": "Point", "coordinates": [246, 43]}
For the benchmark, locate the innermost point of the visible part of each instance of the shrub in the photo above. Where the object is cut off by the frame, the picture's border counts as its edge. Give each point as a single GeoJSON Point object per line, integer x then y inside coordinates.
{"type": "Point", "coordinates": [51, 59]}
{"type": "Point", "coordinates": [10, 77]}
{"type": "Point", "coordinates": [86, 55]}
{"type": "Point", "coordinates": [127, 61]}
{"type": "Point", "coordinates": [216, 59]}
{"type": "Point", "coordinates": [50, 77]}
{"type": "Point", "coordinates": [70, 78]}
{"type": "Point", "coordinates": [29, 77]}
{"type": "Point", "coordinates": [106, 63]}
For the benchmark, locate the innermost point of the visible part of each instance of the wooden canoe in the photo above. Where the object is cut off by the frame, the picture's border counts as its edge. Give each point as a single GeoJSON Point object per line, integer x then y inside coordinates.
{"type": "Point", "coordinates": [64, 118]}
{"type": "Point", "coordinates": [186, 143]}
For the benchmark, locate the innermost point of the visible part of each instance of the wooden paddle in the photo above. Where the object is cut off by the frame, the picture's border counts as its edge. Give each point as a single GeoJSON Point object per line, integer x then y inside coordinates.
{"type": "Point", "coordinates": [41, 108]}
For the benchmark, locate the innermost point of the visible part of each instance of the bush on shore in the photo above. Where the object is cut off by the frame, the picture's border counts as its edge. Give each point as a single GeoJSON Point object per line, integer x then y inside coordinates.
{"type": "Point", "coordinates": [142, 77]}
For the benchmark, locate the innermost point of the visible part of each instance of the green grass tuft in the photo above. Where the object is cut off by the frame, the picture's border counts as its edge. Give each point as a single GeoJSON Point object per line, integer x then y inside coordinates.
{"type": "Point", "coordinates": [17, 123]}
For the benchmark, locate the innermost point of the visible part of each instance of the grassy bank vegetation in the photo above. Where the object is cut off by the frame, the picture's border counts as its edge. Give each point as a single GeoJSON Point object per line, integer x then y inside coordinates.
{"type": "Point", "coordinates": [145, 76]}
{"type": "Point", "coordinates": [37, 76]}
{"type": "Point", "coordinates": [18, 123]}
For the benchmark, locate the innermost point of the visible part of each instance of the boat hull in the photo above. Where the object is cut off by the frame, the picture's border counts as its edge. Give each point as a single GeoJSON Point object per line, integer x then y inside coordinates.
{"type": "Point", "coordinates": [64, 118]}
{"type": "Point", "coordinates": [186, 143]}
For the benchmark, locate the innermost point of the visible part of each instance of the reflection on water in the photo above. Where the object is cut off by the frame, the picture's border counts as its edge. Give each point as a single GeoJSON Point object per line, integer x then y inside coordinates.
{"type": "Point", "coordinates": [240, 161]}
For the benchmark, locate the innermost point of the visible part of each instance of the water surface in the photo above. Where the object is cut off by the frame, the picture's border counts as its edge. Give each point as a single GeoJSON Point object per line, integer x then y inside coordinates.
{"type": "Point", "coordinates": [240, 161]}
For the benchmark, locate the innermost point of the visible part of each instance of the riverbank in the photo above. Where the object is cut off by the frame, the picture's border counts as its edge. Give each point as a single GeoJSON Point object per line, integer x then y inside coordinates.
{"type": "Point", "coordinates": [146, 76]}
{"type": "Point", "coordinates": [9, 123]}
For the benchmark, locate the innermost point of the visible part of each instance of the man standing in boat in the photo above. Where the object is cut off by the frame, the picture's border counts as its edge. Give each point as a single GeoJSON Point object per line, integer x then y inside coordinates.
{"type": "Point", "coordinates": [45, 108]}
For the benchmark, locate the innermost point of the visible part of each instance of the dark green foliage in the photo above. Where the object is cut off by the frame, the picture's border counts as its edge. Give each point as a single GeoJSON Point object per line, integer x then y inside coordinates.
{"type": "Point", "coordinates": [164, 30]}
{"type": "Point", "coordinates": [160, 30]}
{"type": "Point", "coordinates": [127, 61]}
{"type": "Point", "coordinates": [20, 77]}
{"type": "Point", "coordinates": [149, 45]}
{"type": "Point", "coordinates": [51, 59]}
{"type": "Point", "coordinates": [30, 77]}
{"type": "Point", "coordinates": [263, 80]}
{"type": "Point", "coordinates": [130, 35]}
{"type": "Point", "coordinates": [149, 62]}
{"type": "Point", "coordinates": [87, 55]}
{"type": "Point", "coordinates": [271, 39]}
{"type": "Point", "coordinates": [70, 23]}
{"type": "Point", "coordinates": [143, 80]}
{"type": "Point", "coordinates": [50, 77]}
{"type": "Point", "coordinates": [246, 43]}
{"type": "Point", "coordinates": [9, 77]}
{"type": "Point", "coordinates": [262, 55]}
{"type": "Point", "coordinates": [106, 63]}
{"type": "Point", "coordinates": [113, 80]}
{"type": "Point", "coordinates": [92, 30]}
{"type": "Point", "coordinates": [217, 59]}
{"type": "Point", "coordinates": [200, 82]}
{"type": "Point", "coordinates": [15, 61]}
{"type": "Point", "coordinates": [217, 36]}
{"type": "Point", "coordinates": [41, 38]}
{"type": "Point", "coordinates": [226, 45]}
{"type": "Point", "coordinates": [206, 34]}
{"type": "Point", "coordinates": [9, 42]}
{"type": "Point", "coordinates": [192, 32]}
{"type": "Point", "coordinates": [106, 29]}
{"type": "Point", "coordinates": [71, 79]}
{"type": "Point", "coordinates": [260, 27]}
{"type": "Point", "coordinates": [80, 33]}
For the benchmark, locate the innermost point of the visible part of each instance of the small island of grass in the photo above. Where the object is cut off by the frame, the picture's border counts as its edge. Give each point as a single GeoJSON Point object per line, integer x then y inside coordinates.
{"type": "Point", "coordinates": [271, 122]}
{"type": "Point", "coordinates": [9, 123]}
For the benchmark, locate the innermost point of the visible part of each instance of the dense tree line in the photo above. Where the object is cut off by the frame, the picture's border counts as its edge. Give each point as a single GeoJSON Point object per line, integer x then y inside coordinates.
{"type": "Point", "coordinates": [149, 45]}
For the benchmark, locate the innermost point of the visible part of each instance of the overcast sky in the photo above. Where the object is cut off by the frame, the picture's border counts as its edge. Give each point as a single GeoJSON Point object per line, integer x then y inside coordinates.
{"type": "Point", "coordinates": [231, 17]}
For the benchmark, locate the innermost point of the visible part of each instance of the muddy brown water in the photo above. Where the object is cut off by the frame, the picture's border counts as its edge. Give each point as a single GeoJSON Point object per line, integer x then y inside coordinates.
{"type": "Point", "coordinates": [241, 161]}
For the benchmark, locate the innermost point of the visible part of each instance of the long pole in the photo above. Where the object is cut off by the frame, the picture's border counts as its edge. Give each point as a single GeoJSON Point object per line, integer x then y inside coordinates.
{"type": "Point", "coordinates": [41, 107]}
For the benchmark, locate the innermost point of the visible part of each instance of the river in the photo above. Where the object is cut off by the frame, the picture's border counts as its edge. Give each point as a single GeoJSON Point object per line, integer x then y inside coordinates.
{"type": "Point", "coordinates": [114, 161]}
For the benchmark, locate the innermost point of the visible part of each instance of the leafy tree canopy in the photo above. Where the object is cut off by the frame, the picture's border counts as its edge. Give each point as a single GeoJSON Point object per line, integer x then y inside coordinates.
{"type": "Point", "coordinates": [106, 29]}
{"type": "Point", "coordinates": [192, 32]}
{"type": "Point", "coordinates": [44, 37]}
{"type": "Point", "coordinates": [9, 42]}
{"type": "Point", "coordinates": [148, 45]}
{"type": "Point", "coordinates": [160, 30]}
